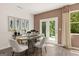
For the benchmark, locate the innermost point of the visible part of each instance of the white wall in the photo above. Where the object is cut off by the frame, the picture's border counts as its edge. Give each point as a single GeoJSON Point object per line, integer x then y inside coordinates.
{"type": "Point", "coordinates": [10, 10]}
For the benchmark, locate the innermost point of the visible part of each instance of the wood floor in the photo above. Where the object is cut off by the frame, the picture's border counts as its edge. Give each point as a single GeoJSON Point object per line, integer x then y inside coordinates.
{"type": "Point", "coordinates": [52, 50]}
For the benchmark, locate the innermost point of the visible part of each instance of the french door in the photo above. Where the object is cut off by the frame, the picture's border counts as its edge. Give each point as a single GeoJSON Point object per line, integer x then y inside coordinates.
{"type": "Point", "coordinates": [49, 27]}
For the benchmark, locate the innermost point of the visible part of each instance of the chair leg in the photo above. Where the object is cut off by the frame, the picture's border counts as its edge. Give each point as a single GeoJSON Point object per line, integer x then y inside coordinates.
{"type": "Point", "coordinates": [41, 51]}
{"type": "Point", "coordinates": [12, 53]}
{"type": "Point", "coordinates": [45, 50]}
{"type": "Point", "coordinates": [35, 51]}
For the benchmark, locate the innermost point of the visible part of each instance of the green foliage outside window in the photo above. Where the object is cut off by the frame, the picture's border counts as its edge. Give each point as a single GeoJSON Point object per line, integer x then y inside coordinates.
{"type": "Point", "coordinates": [52, 28]}
{"type": "Point", "coordinates": [74, 27]}
{"type": "Point", "coordinates": [74, 19]}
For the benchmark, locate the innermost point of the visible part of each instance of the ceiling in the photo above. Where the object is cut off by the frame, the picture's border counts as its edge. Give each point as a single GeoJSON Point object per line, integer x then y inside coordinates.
{"type": "Point", "coordinates": [36, 8]}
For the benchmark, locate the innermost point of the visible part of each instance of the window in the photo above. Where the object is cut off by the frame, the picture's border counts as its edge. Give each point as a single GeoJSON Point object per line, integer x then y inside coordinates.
{"type": "Point", "coordinates": [74, 21]}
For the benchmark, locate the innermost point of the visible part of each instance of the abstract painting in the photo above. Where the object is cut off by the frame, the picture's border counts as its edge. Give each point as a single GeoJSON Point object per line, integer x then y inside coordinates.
{"type": "Point", "coordinates": [18, 24]}
{"type": "Point", "coordinates": [26, 24]}
{"type": "Point", "coordinates": [11, 23]}
{"type": "Point", "coordinates": [22, 24]}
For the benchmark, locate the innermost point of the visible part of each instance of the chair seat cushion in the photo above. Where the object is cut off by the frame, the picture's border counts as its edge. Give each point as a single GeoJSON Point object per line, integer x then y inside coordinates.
{"type": "Point", "coordinates": [38, 45]}
{"type": "Point", "coordinates": [23, 48]}
{"type": "Point", "coordinates": [40, 38]}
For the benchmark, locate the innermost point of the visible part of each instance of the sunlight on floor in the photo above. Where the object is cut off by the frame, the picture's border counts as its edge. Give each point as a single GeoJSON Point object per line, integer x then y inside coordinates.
{"type": "Point", "coordinates": [75, 52]}
{"type": "Point", "coordinates": [52, 40]}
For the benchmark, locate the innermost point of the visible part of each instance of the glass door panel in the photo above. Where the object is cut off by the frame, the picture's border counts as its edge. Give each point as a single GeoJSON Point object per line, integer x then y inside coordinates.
{"type": "Point", "coordinates": [44, 28]}
{"type": "Point", "coordinates": [52, 28]}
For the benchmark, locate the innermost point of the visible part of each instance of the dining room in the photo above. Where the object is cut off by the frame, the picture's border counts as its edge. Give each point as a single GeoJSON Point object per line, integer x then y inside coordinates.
{"type": "Point", "coordinates": [26, 29]}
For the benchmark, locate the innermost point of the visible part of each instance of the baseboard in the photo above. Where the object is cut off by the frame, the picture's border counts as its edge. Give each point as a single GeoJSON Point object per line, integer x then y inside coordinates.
{"type": "Point", "coordinates": [60, 45]}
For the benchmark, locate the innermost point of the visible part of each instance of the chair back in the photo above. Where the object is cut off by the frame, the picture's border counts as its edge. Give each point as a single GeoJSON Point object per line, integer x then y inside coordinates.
{"type": "Point", "coordinates": [14, 45]}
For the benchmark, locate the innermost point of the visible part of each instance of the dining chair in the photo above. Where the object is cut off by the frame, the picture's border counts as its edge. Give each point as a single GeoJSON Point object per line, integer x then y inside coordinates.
{"type": "Point", "coordinates": [16, 47]}
{"type": "Point", "coordinates": [41, 44]}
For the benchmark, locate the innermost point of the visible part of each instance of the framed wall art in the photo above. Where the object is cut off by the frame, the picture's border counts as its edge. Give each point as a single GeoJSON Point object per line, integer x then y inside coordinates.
{"type": "Point", "coordinates": [17, 24]}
